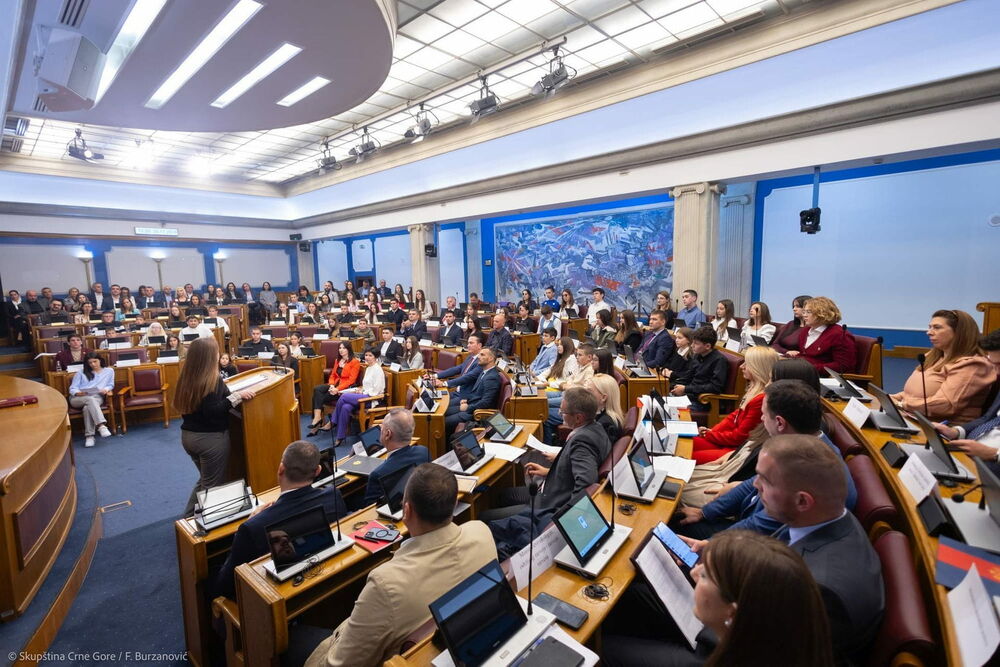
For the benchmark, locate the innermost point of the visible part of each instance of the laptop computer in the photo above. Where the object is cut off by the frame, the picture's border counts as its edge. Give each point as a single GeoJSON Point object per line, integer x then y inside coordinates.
{"type": "Point", "coordinates": [426, 402]}
{"type": "Point", "coordinates": [300, 541]}
{"type": "Point", "coordinates": [570, 312]}
{"type": "Point", "coordinates": [156, 340]}
{"type": "Point", "coordinates": [937, 459]}
{"type": "Point", "coordinates": [245, 351]}
{"type": "Point", "coordinates": [392, 487]}
{"type": "Point", "coordinates": [888, 418]}
{"type": "Point", "coordinates": [369, 443]}
{"type": "Point", "coordinates": [119, 342]}
{"type": "Point", "coordinates": [641, 369]}
{"type": "Point", "coordinates": [483, 623]}
{"type": "Point", "coordinates": [187, 338]}
{"type": "Point", "coordinates": [635, 477]}
{"type": "Point", "coordinates": [649, 432]}
{"type": "Point", "coordinates": [127, 359]}
{"type": "Point", "coordinates": [329, 473]}
{"type": "Point", "coordinates": [734, 333]}
{"type": "Point", "coordinates": [223, 504]}
{"type": "Point", "coordinates": [471, 454]}
{"type": "Point", "coordinates": [846, 390]}
{"type": "Point", "coordinates": [168, 357]}
{"type": "Point", "coordinates": [979, 526]}
{"type": "Point", "coordinates": [500, 429]}
{"type": "Point", "coordinates": [590, 539]}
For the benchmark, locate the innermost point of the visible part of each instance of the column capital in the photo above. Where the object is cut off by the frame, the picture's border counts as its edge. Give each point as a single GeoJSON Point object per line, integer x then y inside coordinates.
{"type": "Point", "coordinates": [423, 227]}
{"type": "Point", "coordinates": [697, 189]}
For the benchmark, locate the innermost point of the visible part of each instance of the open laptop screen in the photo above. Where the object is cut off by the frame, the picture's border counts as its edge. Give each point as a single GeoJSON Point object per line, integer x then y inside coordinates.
{"type": "Point", "coordinates": [299, 537]}
{"type": "Point", "coordinates": [478, 615]}
{"type": "Point", "coordinates": [642, 467]}
{"type": "Point", "coordinates": [583, 526]}
{"type": "Point", "coordinates": [372, 440]}
{"type": "Point", "coordinates": [500, 424]}
{"type": "Point", "coordinates": [991, 488]}
{"type": "Point", "coordinates": [393, 486]}
{"type": "Point", "coordinates": [936, 444]}
{"type": "Point", "coordinates": [886, 404]}
{"type": "Point", "coordinates": [468, 450]}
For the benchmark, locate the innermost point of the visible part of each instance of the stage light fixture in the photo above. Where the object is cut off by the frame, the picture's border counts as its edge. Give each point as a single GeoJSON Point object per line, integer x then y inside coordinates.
{"type": "Point", "coordinates": [558, 76]}
{"type": "Point", "coordinates": [424, 125]}
{"type": "Point", "coordinates": [487, 104]}
{"type": "Point", "coordinates": [327, 161]}
{"type": "Point", "coordinates": [77, 148]}
{"type": "Point", "coordinates": [368, 146]}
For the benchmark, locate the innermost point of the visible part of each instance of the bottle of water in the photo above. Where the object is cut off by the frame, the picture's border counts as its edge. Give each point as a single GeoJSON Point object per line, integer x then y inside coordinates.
{"type": "Point", "coordinates": [58, 366]}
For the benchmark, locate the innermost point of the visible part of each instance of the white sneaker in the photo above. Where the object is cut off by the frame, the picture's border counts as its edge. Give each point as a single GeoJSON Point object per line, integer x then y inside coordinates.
{"type": "Point", "coordinates": [89, 442]}
{"type": "Point", "coordinates": [103, 430]}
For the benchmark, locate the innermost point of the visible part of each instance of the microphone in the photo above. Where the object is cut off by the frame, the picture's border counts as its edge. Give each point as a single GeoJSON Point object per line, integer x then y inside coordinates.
{"type": "Point", "coordinates": [923, 380]}
{"type": "Point", "coordinates": [532, 491]}
{"type": "Point", "coordinates": [960, 497]}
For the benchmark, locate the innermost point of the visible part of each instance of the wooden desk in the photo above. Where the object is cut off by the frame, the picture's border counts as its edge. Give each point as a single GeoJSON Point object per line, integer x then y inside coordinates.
{"type": "Point", "coordinates": [37, 490]}
{"type": "Point", "coordinates": [568, 586]}
{"type": "Point", "coordinates": [526, 346]}
{"type": "Point", "coordinates": [636, 387]}
{"type": "Point", "coordinates": [527, 407]}
{"type": "Point", "coordinates": [310, 375]}
{"type": "Point", "coordinates": [428, 427]}
{"type": "Point", "coordinates": [398, 381]}
{"type": "Point", "coordinates": [923, 546]}
{"type": "Point", "coordinates": [262, 427]}
{"type": "Point", "coordinates": [578, 324]}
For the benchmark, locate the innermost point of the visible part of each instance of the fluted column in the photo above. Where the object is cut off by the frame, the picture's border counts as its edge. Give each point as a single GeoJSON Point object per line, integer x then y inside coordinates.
{"type": "Point", "coordinates": [696, 240]}
{"type": "Point", "coordinates": [424, 270]}
{"type": "Point", "coordinates": [474, 258]}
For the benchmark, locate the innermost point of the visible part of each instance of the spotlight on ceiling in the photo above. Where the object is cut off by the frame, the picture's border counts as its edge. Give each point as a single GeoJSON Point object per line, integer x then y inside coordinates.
{"type": "Point", "coordinates": [327, 161]}
{"type": "Point", "coordinates": [141, 156]}
{"type": "Point", "coordinates": [77, 147]}
{"type": "Point", "coordinates": [487, 103]}
{"type": "Point", "coordinates": [366, 148]}
{"type": "Point", "coordinates": [423, 126]}
{"type": "Point", "coordinates": [558, 76]}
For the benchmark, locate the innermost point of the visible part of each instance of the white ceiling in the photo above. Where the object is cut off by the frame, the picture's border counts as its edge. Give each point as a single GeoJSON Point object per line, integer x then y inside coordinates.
{"type": "Point", "coordinates": [439, 44]}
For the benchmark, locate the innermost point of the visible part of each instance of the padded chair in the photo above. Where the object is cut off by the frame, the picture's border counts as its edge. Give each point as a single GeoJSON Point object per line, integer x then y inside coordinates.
{"type": "Point", "coordinates": [868, 352]}
{"type": "Point", "coordinates": [904, 637]}
{"type": "Point", "coordinates": [328, 349]}
{"type": "Point", "coordinates": [506, 391]}
{"type": "Point", "coordinates": [428, 355]}
{"type": "Point", "coordinates": [618, 450]}
{"type": "Point", "coordinates": [246, 364]}
{"type": "Point", "coordinates": [874, 509]}
{"type": "Point", "coordinates": [434, 333]}
{"type": "Point", "coordinates": [721, 404]}
{"type": "Point", "coordinates": [307, 330]}
{"type": "Point", "coordinates": [631, 421]}
{"type": "Point", "coordinates": [367, 406]}
{"type": "Point", "coordinates": [841, 437]}
{"type": "Point", "coordinates": [146, 389]}
{"type": "Point", "coordinates": [108, 408]}
{"type": "Point", "coordinates": [53, 345]}
{"type": "Point", "coordinates": [447, 359]}
{"type": "Point", "coordinates": [622, 387]}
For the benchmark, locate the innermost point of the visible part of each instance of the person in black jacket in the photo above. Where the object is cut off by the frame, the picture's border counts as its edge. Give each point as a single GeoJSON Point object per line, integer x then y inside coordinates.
{"type": "Point", "coordinates": [706, 372]}
{"type": "Point", "coordinates": [204, 401]}
{"type": "Point", "coordinates": [389, 351]}
{"type": "Point", "coordinates": [298, 469]}
{"type": "Point", "coordinates": [414, 326]}
{"type": "Point", "coordinates": [449, 333]}
{"type": "Point", "coordinates": [500, 339]}
{"type": "Point", "coordinates": [395, 314]}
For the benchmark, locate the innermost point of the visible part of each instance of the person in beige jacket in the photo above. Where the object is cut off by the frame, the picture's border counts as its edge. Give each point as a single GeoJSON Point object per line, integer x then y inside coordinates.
{"type": "Point", "coordinates": [394, 602]}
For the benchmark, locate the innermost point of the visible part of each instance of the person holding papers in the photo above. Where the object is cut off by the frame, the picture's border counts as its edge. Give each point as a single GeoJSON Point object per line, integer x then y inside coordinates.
{"type": "Point", "coordinates": [395, 599]}
{"type": "Point", "coordinates": [88, 391]}
{"type": "Point", "coordinates": [734, 430]}
{"type": "Point", "coordinates": [749, 590]}
{"type": "Point", "coordinates": [546, 353]}
{"type": "Point", "coordinates": [396, 436]}
{"type": "Point", "coordinates": [706, 372]}
{"type": "Point", "coordinates": [298, 468]}
{"type": "Point", "coordinates": [204, 401]}
{"type": "Point", "coordinates": [958, 376]}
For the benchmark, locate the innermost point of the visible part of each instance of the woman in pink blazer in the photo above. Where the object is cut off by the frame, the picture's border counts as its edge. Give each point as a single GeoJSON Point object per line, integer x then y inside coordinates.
{"type": "Point", "coordinates": [823, 342]}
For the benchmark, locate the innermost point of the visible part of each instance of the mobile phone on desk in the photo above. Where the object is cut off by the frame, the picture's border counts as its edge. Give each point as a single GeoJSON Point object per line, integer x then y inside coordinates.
{"type": "Point", "coordinates": [669, 490]}
{"type": "Point", "coordinates": [570, 616]}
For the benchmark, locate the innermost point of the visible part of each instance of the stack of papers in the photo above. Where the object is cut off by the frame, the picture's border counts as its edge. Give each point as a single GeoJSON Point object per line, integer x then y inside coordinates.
{"type": "Point", "coordinates": [535, 443]}
{"type": "Point", "coordinates": [502, 451]}
{"type": "Point", "coordinates": [674, 466]}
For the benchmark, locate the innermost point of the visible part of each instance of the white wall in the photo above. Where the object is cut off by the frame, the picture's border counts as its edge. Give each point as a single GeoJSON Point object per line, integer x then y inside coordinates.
{"type": "Point", "coordinates": [34, 224]}
{"type": "Point", "coordinates": [131, 266]}
{"type": "Point", "coordinates": [24, 267]}
{"type": "Point", "coordinates": [332, 258]}
{"type": "Point", "coordinates": [392, 261]}
{"type": "Point", "coordinates": [892, 249]}
{"type": "Point", "coordinates": [451, 261]}
{"type": "Point", "coordinates": [254, 266]}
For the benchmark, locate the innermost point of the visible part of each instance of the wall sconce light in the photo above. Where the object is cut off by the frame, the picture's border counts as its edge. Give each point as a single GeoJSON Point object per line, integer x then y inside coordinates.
{"type": "Point", "coordinates": [219, 258]}
{"type": "Point", "coordinates": [86, 257]}
{"type": "Point", "coordinates": [158, 257]}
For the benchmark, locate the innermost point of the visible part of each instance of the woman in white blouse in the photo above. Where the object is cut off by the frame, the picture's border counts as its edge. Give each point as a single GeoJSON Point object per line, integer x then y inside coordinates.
{"type": "Point", "coordinates": [566, 364]}
{"type": "Point", "coordinates": [758, 324]}
{"type": "Point", "coordinates": [373, 384]}
{"type": "Point", "coordinates": [725, 317]}
{"type": "Point", "coordinates": [155, 329]}
{"type": "Point", "coordinates": [411, 352]}
{"type": "Point", "coordinates": [421, 304]}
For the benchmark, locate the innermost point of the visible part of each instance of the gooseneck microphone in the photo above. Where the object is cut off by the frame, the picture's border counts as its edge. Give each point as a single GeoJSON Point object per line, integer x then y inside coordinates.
{"type": "Point", "coordinates": [960, 497]}
{"type": "Point", "coordinates": [532, 491]}
{"type": "Point", "coordinates": [923, 381]}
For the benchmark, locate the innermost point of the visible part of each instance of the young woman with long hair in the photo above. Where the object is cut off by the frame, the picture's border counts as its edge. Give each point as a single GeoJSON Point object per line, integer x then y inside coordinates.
{"type": "Point", "coordinates": [758, 324]}
{"type": "Point", "coordinates": [204, 401]}
{"type": "Point", "coordinates": [629, 332]}
{"type": "Point", "coordinates": [411, 352]}
{"type": "Point", "coordinates": [609, 404]}
{"type": "Point", "coordinates": [343, 375]}
{"type": "Point", "coordinates": [283, 357]}
{"type": "Point", "coordinates": [787, 337]}
{"type": "Point", "coordinates": [566, 363]}
{"type": "Point", "coordinates": [421, 304]}
{"type": "Point", "coordinates": [662, 302]}
{"type": "Point", "coordinates": [88, 391]}
{"type": "Point", "coordinates": [725, 317]}
{"type": "Point", "coordinates": [735, 429]}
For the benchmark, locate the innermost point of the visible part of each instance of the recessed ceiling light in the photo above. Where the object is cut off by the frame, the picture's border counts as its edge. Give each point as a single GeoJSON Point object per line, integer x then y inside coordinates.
{"type": "Point", "coordinates": [281, 55]}
{"type": "Point", "coordinates": [208, 47]}
{"type": "Point", "coordinates": [303, 91]}
{"type": "Point", "coordinates": [133, 29]}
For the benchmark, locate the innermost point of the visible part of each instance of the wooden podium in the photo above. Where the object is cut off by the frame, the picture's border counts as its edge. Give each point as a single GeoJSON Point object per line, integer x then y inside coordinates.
{"type": "Point", "coordinates": [261, 428]}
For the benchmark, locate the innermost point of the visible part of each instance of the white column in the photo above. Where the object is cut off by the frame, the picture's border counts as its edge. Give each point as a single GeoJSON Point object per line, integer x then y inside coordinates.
{"type": "Point", "coordinates": [696, 240]}
{"type": "Point", "coordinates": [474, 257]}
{"type": "Point", "coordinates": [423, 269]}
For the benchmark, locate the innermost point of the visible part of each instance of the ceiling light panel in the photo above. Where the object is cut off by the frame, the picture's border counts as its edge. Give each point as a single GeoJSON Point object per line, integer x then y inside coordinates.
{"type": "Point", "coordinates": [428, 58]}
{"type": "Point", "coordinates": [727, 7]}
{"type": "Point", "coordinates": [217, 37]}
{"type": "Point", "coordinates": [660, 8]}
{"type": "Point", "coordinates": [133, 29]}
{"type": "Point", "coordinates": [490, 26]}
{"type": "Point", "coordinates": [459, 43]}
{"type": "Point", "coordinates": [601, 52]}
{"type": "Point", "coordinates": [686, 19]}
{"type": "Point", "coordinates": [592, 9]}
{"type": "Point", "coordinates": [524, 11]}
{"type": "Point", "coordinates": [303, 91]}
{"type": "Point", "coordinates": [622, 20]}
{"type": "Point", "coordinates": [426, 28]}
{"type": "Point", "coordinates": [554, 23]}
{"type": "Point", "coordinates": [459, 12]}
{"type": "Point", "coordinates": [279, 57]}
{"type": "Point", "coordinates": [404, 46]}
{"type": "Point", "coordinates": [486, 55]}
{"type": "Point", "coordinates": [583, 37]}
{"type": "Point", "coordinates": [643, 36]}
{"type": "Point", "coordinates": [405, 71]}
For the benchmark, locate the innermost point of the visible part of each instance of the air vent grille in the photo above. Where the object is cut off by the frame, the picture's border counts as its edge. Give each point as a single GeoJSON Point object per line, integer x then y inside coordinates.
{"type": "Point", "coordinates": [40, 106]}
{"type": "Point", "coordinates": [72, 12]}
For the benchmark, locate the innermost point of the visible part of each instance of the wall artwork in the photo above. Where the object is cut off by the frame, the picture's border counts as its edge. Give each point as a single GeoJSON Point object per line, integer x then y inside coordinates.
{"type": "Point", "coordinates": [628, 253]}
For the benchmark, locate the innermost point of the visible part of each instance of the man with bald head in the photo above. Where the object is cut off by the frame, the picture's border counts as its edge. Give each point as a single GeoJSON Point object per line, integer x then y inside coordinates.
{"type": "Point", "coordinates": [397, 438]}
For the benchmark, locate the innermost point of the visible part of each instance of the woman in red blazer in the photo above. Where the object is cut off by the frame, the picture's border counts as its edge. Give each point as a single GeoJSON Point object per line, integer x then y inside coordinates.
{"type": "Point", "coordinates": [734, 430]}
{"type": "Point", "coordinates": [830, 346]}
{"type": "Point", "coordinates": [343, 375]}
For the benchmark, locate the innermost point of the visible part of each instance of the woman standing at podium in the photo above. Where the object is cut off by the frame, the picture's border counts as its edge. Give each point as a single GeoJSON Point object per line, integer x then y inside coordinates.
{"type": "Point", "coordinates": [204, 401]}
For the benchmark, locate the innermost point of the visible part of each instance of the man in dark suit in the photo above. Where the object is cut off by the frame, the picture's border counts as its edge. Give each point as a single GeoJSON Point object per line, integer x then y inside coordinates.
{"type": "Point", "coordinates": [705, 374]}
{"type": "Point", "coordinates": [397, 434]}
{"type": "Point", "coordinates": [483, 396]}
{"type": "Point", "coordinates": [658, 348]}
{"type": "Point", "coordinates": [298, 469]}
{"type": "Point", "coordinates": [100, 300]}
{"type": "Point", "coordinates": [383, 290]}
{"type": "Point", "coordinates": [17, 316]}
{"type": "Point", "coordinates": [571, 471]}
{"type": "Point", "coordinates": [414, 326]}
{"type": "Point", "coordinates": [450, 333]}
{"type": "Point", "coordinates": [389, 350]}
{"type": "Point", "coordinates": [55, 313]}
{"type": "Point", "coordinates": [500, 339]}
{"type": "Point", "coordinates": [451, 306]}
{"type": "Point", "coordinates": [462, 377]}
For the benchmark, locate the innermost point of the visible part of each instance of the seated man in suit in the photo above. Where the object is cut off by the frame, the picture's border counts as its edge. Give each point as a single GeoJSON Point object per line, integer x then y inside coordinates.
{"type": "Point", "coordinates": [389, 351]}
{"type": "Point", "coordinates": [658, 348]}
{"type": "Point", "coordinates": [414, 326]}
{"type": "Point", "coordinates": [298, 469]}
{"type": "Point", "coordinates": [483, 396]}
{"type": "Point", "coordinates": [571, 471]}
{"type": "Point", "coordinates": [705, 374]}
{"type": "Point", "coordinates": [449, 333]}
{"type": "Point", "coordinates": [257, 342]}
{"type": "Point", "coordinates": [451, 306]}
{"type": "Point", "coordinates": [463, 377]}
{"type": "Point", "coordinates": [396, 436]}
{"type": "Point", "coordinates": [790, 407]}
{"type": "Point", "coordinates": [981, 437]}
{"type": "Point", "coordinates": [345, 316]}
{"type": "Point", "coordinates": [500, 339]}
{"type": "Point", "coordinates": [547, 353]}
{"type": "Point", "coordinates": [394, 602]}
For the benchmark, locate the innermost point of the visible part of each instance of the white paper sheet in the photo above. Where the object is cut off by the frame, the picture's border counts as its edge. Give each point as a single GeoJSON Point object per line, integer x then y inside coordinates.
{"type": "Point", "coordinates": [977, 631]}
{"type": "Point", "coordinates": [670, 585]}
{"type": "Point", "coordinates": [502, 451]}
{"type": "Point", "coordinates": [678, 401]}
{"type": "Point", "coordinates": [917, 478]}
{"type": "Point", "coordinates": [682, 428]}
{"type": "Point", "coordinates": [449, 461]}
{"type": "Point", "coordinates": [674, 466]}
{"type": "Point", "coordinates": [547, 545]}
{"type": "Point", "coordinates": [535, 443]}
{"type": "Point", "coordinates": [856, 412]}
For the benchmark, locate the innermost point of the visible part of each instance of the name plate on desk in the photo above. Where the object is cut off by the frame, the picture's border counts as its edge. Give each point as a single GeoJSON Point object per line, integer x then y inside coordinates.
{"type": "Point", "coordinates": [733, 345]}
{"type": "Point", "coordinates": [856, 412]}
{"type": "Point", "coordinates": [321, 336]}
{"type": "Point", "coordinates": [426, 343]}
{"type": "Point", "coordinates": [277, 323]}
{"type": "Point", "coordinates": [917, 478]}
{"type": "Point", "coordinates": [502, 364]}
{"type": "Point", "coordinates": [266, 336]}
{"type": "Point", "coordinates": [619, 363]}
{"type": "Point", "coordinates": [394, 367]}
{"type": "Point", "coordinates": [122, 345]}
{"type": "Point", "coordinates": [122, 363]}
{"type": "Point", "coordinates": [74, 368]}
{"type": "Point", "coordinates": [265, 355]}
{"type": "Point", "coordinates": [433, 323]}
